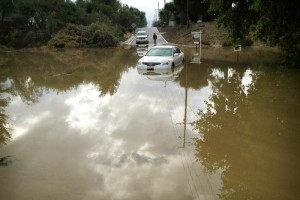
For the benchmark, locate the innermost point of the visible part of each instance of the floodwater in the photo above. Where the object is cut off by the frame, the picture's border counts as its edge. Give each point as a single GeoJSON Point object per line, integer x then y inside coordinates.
{"type": "Point", "coordinates": [87, 125]}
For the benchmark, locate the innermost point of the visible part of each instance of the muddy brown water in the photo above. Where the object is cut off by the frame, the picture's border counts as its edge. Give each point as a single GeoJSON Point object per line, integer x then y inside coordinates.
{"type": "Point", "coordinates": [86, 124]}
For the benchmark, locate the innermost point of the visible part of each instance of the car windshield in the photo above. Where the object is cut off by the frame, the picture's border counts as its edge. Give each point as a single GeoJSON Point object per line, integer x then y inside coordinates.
{"type": "Point", "coordinates": [159, 52]}
{"type": "Point", "coordinates": [141, 33]}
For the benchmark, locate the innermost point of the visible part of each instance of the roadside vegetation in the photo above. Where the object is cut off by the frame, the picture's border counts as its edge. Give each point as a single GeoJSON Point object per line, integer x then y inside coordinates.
{"type": "Point", "coordinates": [63, 23]}
{"type": "Point", "coordinates": [274, 22]}
{"type": "Point", "coordinates": [103, 23]}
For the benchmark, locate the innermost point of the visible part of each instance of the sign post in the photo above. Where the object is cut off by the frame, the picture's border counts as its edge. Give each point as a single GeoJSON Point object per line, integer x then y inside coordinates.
{"type": "Point", "coordinates": [133, 25]}
{"type": "Point", "coordinates": [197, 37]}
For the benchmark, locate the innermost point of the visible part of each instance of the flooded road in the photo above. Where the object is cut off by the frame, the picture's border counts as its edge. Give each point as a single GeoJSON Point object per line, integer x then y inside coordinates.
{"type": "Point", "coordinates": [86, 124]}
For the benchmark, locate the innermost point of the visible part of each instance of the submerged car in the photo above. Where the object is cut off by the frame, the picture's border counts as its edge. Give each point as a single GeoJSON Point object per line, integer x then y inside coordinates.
{"type": "Point", "coordinates": [141, 37]}
{"type": "Point", "coordinates": [161, 57]}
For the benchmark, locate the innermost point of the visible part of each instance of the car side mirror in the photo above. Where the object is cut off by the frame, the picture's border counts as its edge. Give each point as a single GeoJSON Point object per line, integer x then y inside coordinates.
{"type": "Point", "coordinates": [176, 54]}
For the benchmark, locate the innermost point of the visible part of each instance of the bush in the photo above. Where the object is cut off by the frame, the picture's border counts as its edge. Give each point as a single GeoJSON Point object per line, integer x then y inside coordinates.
{"type": "Point", "coordinates": [227, 43]}
{"type": "Point", "coordinates": [247, 41]}
{"type": "Point", "coordinates": [94, 35]}
{"type": "Point", "coordinates": [102, 35]}
{"type": "Point", "coordinates": [68, 37]}
{"type": "Point", "coordinates": [31, 38]}
{"type": "Point", "coordinates": [291, 46]}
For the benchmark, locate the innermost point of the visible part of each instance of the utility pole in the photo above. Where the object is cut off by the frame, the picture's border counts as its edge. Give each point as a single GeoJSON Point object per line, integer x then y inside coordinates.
{"type": "Point", "coordinates": [157, 10]}
{"type": "Point", "coordinates": [185, 110]}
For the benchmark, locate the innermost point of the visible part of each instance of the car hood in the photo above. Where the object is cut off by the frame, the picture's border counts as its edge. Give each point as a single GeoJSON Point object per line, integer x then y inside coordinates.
{"type": "Point", "coordinates": [141, 36]}
{"type": "Point", "coordinates": [155, 59]}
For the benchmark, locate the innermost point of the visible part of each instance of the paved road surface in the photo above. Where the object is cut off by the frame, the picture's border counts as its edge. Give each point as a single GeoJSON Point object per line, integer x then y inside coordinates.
{"type": "Point", "coordinates": [150, 31]}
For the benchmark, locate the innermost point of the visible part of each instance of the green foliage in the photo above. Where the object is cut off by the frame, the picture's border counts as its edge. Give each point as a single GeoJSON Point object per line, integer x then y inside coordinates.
{"type": "Point", "coordinates": [102, 35]}
{"type": "Point", "coordinates": [6, 8]}
{"type": "Point", "coordinates": [198, 10]}
{"type": "Point", "coordinates": [94, 35]}
{"type": "Point", "coordinates": [68, 37]}
{"type": "Point", "coordinates": [279, 24]}
{"type": "Point", "coordinates": [291, 45]}
{"type": "Point", "coordinates": [275, 22]}
{"type": "Point", "coordinates": [27, 23]}
{"type": "Point", "coordinates": [128, 15]}
{"type": "Point", "coordinates": [164, 16]}
{"type": "Point", "coordinates": [156, 24]}
{"type": "Point", "coordinates": [236, 18]}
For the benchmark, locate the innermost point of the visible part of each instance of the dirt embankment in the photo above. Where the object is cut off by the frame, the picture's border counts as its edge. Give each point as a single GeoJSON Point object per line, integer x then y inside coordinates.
{"type": "Point", "coordinates": [211, 34]}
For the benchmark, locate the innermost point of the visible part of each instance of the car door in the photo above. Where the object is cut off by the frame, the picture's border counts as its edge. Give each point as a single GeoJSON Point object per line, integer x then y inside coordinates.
{"type": "Point", "coordinates": [177, 56]}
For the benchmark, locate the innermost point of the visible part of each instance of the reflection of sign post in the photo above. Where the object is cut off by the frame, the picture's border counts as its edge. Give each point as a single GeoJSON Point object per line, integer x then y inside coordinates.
{"type": "Point", "coordinates": [237, 49]}
{"type": "Point", "coordinates": [197, 37]}
{"type": "Point", "coordinates": [195, 58]}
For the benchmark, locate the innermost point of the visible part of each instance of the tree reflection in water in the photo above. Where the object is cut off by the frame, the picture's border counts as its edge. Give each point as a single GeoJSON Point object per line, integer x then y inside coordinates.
{"type": "Point", "coordinates": [252, 137]}
{"type": "Point", "coordinates": [4, 131]}
{"type": "Point", "coordinates": [28, 74]}
{"type": "Point", "coordinates": [31, 72]}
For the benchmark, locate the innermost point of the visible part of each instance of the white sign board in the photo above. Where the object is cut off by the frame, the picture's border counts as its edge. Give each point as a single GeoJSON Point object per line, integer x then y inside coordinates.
{"type": "Point", "coordinates": [237, 48]}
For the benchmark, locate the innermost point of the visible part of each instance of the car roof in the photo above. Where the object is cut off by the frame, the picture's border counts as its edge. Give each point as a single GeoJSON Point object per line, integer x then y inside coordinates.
{"type": "Point", "coordinates": [164, 46]}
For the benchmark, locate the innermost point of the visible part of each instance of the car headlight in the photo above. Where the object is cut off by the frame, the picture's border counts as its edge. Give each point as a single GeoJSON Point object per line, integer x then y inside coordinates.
{"type": "Point", "coordinates": [166, 62]}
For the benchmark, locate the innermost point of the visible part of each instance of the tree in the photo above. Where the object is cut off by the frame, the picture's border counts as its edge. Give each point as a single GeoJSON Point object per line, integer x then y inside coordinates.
{"type": "Point", "coordinates": [27, 23]}
{"type": "Point", "coordinates": [180, 11]}
{"type": "Point", "coordinates": [197, 10]}
{"type": "Point", "coordinates": [236, 17]}
{"type": "Point", "coordinates": [167, 13]}
{"type": "Point", "coordinates": [6, 8]}
{"type": "Point", "coordinates": [279, 24]}
{"type": "Point", "coordinates": [128, 15]}
{"type": "Point", "coordinates": [275, 22]}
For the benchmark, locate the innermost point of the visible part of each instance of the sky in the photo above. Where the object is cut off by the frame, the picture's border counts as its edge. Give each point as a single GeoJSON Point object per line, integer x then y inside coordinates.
{"type": "Point", "coordinates": [147, 6]}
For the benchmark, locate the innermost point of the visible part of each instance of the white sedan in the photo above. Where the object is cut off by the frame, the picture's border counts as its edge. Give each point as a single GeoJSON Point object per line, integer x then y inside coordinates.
{"type": "Point", "coordinates": [161, 57]}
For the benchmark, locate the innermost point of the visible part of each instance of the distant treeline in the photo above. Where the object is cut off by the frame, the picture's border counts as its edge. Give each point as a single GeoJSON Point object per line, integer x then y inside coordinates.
{"type": "Point", "coordinates": [274, 22]}
{"type": "Point", "coordinates": [63, 23]}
